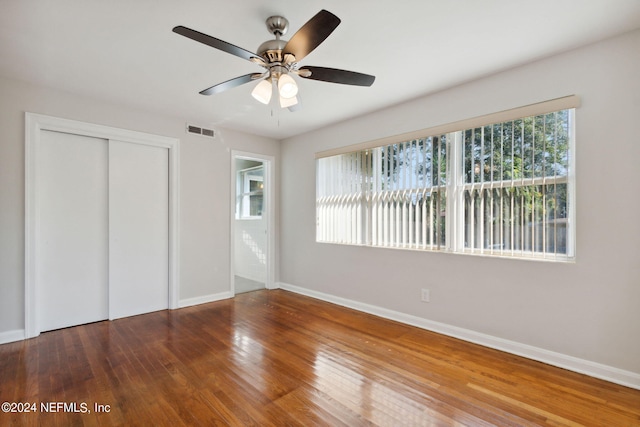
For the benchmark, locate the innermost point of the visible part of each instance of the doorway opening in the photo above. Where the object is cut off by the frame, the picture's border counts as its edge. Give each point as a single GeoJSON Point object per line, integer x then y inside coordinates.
{"type": "Point", "coordinates": [251, 228]}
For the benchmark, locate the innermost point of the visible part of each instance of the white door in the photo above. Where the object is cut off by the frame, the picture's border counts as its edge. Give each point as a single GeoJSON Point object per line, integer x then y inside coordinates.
{"type": "Point", "coordinates": [72, 237]}
{"type": "Point", "coordinates": [102, 236]}
{"type": "Point", "coordinates": [138, 229]}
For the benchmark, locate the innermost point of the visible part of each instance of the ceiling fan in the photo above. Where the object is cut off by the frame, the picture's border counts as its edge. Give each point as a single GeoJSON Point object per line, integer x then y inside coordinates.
{"type": "Point", "coordinates": [280, 59]}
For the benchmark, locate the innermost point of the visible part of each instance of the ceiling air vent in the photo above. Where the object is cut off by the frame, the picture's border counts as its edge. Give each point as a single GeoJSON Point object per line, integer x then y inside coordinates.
{"type": "Point", "coordinates": [200, 131]}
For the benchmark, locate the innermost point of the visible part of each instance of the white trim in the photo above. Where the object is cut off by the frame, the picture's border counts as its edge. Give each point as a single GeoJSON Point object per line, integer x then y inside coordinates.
{"type": "Point", "coordinates": [571, 188]}
{"type": "Point", "coordinates": [268, 207]}
{"type": "Point", "coordinates": [564, 103]}
{"type": "Point", "coordinates": [11, 336]}
{"type": "Point", "coordinates": [188, 302]}
{"type": "Point", "coordinates": [587, 367]}
{"type": "Point", "coordinates": [34, 124]}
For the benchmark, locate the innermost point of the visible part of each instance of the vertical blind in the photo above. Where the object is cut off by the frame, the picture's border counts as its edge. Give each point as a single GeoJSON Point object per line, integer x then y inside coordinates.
{"type": "Point", "coordinates": [502, 189]}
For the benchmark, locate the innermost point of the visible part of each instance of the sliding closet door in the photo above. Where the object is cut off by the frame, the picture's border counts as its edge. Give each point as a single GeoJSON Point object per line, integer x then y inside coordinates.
{"type": "Point", "coordinates": [72, 233]}
{"type": "Point", "coordinates": [138, 229]}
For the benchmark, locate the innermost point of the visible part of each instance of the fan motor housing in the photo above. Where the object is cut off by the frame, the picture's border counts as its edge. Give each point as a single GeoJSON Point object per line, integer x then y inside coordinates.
{"type": "Point", "coordinates": [271, 50]}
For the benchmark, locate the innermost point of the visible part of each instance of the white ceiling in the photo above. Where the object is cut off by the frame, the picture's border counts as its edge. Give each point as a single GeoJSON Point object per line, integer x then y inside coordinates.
{"type": "Point", "coordinates": [124, 51]}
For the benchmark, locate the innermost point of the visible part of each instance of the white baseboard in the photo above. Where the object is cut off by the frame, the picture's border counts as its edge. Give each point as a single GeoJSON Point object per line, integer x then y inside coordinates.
{"type": "Point", "coordinates": [204, 299]}
{"type": "Point", "coordinates": [11, 336]}
{"type": "Point", "coordinates": [593, 369]}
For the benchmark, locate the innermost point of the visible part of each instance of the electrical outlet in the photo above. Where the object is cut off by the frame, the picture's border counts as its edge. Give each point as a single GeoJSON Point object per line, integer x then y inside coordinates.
{"type": "Point", "coordinates": [425, 295]}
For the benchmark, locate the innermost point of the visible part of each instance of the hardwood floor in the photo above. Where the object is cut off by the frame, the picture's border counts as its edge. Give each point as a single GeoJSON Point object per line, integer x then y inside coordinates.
{"type": "Point", "coordinates": [276, 358]}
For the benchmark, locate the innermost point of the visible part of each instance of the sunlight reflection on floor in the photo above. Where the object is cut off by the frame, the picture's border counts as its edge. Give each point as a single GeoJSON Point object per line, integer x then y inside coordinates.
{"type": "Point", "coordinates": [382, 405]}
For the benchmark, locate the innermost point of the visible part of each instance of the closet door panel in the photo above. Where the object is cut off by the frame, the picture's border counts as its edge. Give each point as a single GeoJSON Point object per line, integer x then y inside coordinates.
{"type": "Point", "coordinates": [72, 231]}
{"type": "Point", "coordinates": [138, 229]}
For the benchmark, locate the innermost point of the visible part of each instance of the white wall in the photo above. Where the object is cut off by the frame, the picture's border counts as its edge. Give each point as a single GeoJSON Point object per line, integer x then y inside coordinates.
{"type": "Point", "coordinates": [204, 186]}
{"type": "Point", "coordinates": [589, 309]}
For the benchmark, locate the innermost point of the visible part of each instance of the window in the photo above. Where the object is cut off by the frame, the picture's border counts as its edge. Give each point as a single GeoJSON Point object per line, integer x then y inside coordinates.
{"type": "Point", "coordinates": [391, 196]}
{"type": "Point", "coordinates": [515, 186]}
{"type": "Point", "coordinates": [250, 193]}
{"type": "Point", "coordinates": [499, 189]}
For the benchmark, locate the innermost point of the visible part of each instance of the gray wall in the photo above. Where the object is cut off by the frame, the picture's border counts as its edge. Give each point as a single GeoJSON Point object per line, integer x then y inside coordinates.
{"type": "Point", "coordinates": [588, 309]}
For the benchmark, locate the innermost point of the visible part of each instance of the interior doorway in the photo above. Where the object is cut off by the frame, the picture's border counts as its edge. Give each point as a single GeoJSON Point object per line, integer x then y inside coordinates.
{"type": "Point", "coordinates": [252, 216]}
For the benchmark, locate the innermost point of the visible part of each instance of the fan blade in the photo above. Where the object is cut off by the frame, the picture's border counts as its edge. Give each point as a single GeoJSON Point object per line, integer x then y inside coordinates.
{"type": "Point", "coordinates": [314, 32]}
{"type": "Point", "coordinates": [229, 84]}
{"type": "Point", "coordinates": [218, 44]}
{"type": "Point", "coordinates": [334, 75]}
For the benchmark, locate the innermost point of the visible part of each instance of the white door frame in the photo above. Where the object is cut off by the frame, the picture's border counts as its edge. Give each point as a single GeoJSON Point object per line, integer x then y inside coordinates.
{"type": "Point", "coordinates": [268, 207]}
{"type": "Point", "coordinates": [34, 124]}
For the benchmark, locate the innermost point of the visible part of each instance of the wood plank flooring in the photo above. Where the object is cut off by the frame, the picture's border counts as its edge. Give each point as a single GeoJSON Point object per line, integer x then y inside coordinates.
{"type": "Point", "coordinates": [274, 358]}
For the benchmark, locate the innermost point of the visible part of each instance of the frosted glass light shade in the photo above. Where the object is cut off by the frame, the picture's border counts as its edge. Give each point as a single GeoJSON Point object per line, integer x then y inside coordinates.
{"type": "Point", "coordinates": [262, 91]}
{"type": "Point", "coordinates": [288, 102]}
{"type": "Point", "coordinates": [287, 86]}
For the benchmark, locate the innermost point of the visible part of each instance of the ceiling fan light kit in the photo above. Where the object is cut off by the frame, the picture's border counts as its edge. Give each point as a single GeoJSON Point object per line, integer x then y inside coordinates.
{"type": "Point", "coordinates": [287, 86]}
{"type": "Point", "coordinates": [288, 102]}
{"type": "Point", "coordinates": [281, 58]}
{"type": "Point", "coordinates": [262, 92]}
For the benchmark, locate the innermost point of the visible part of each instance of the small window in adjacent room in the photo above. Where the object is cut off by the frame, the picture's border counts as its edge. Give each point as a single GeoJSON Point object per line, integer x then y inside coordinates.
{"type": "Point", "coordinates": [250, 196]}
{"type": "Point", "coordinates": [504, 188]}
